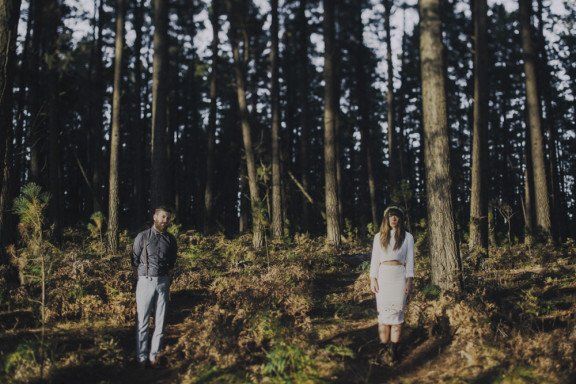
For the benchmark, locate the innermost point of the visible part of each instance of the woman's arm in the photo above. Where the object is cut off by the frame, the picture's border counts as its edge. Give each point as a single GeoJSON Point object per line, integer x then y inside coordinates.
{"type": "Point", "coordinates": [374, 260]}
{"type": "Point", "coordinates": [410, 265]}
{"type": "Point", "coordinates": [374, 263]}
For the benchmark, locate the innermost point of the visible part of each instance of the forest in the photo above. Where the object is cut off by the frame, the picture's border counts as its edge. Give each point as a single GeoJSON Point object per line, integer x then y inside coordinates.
{"type": "Point", "coordinates": [277, 133]}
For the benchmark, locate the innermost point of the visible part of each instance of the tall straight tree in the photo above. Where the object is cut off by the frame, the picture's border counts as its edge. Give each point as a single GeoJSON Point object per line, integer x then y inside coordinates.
{"type": "Point", "coordinates": [444, 253]}
{"type": "Point", "coordinates": [12, 174]}
{"type": "Point", "coordinates": [138, 134]}
{"type": "Point", "coordinates": [238, 25]}
{"type": "Point", "coordinates": [97, 111]}
{"type": "Point", "coordinates": [541, 198]}
{"type": "Point", "coordinates": [36, 138]}
{"type": "Point", "coordinates": [392, 141]}
{"type": "Point", "coordinates": [547, 93]}
{"type": "Point", "coordinates": [277, 222]}
{"type": "Point", "coordinates": [330, 185]}
{"type": "Point", "coordinates": [528, 204]}
{"type": "Point", "coordinates": [159, 149]}
{"type": "Point", "coordinates": [9, 15]}
{"type": "Point", "coordinates": [479, 196]}
{"type": "Point", "coordinates": [52, 20]}
{"type": "Point", "coordinates": [211, 134]}
{"type": "Point", "coordinates": [361, 87]}
{"type": "Point", "coordinates": [113, 200]}
{"type": "Point", "coordinates": [304, 38]}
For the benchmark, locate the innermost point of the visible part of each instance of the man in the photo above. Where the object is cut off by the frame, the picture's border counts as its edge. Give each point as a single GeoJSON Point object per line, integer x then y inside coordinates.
{"type": "Point", "coordinates": [153, 256]}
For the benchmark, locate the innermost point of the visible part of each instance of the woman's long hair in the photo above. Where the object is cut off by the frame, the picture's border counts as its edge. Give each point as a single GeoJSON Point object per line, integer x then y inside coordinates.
{"type": "Point", "coordinates": [385, 228]}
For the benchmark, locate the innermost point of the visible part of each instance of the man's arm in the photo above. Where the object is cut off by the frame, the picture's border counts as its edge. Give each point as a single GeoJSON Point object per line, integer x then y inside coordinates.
{"type": "Point", "coordinates": [136, 250]}
{"type": "Point", "coordinates": [173, 253]}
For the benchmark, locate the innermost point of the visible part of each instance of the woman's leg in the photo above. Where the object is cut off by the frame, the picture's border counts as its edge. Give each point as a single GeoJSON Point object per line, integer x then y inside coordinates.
{"type": "Point", "coordinates": [384, 333]}
{"type": "Point", "coordinates": [395, 338]}
{"type": "Point", "coordinates": [395, 332]}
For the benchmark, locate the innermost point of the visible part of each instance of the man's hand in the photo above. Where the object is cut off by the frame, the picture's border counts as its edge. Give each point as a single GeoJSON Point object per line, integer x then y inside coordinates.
{"type": "Point", "coordinates": [374, 285]}
{"type": "Point", "coordinates": [134, 277]}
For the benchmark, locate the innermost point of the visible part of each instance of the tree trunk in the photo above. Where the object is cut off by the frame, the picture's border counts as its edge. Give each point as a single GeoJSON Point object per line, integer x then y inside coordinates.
{"type": "Point", "coordinates": [528, 206]}
{"type": "Point", "coordinates": [255, 203]}
{"type": "Point", "coordinates": [113, 200]}
{"type": "Point", "coordinates": [244, 203]}
{"type": "Point", "coordinates": [159, 149]}
{"type": "Point", "coordinates": [15, 155]}
{"type": "Point", "coordinates": [9, 15]}
{"type": "Point", "coordinates": [330, 159]}
{"type": "Point", "coordinates": [277, 222]}
{"type": "Point", "coordinates": [139, 131]}
{"type": "Point", "coordinates": [444, 253]}
{"type": "Point", "coordinates": [361, 89]}
{"type": "Point", "coordinates": [392, 142]}
{"type": "Point", "coordinates": [541, 198]}
{"type": "Point", "coordinates": [479, 196]}
{"type": "Point", "coordinates": [211, 141]}
{"type": "Point", "coordinates": [304, 35]}
{"type": "Point", "coordinates": [97, 115]}
{"type": "Point", "coordinates": [36, 136]}
{"type": "Point", "coordinates": [557, 213]}
{"type": "Point", "coordinates": [53, 17]}
{"type": "Point", "coordinates": [336, 94]}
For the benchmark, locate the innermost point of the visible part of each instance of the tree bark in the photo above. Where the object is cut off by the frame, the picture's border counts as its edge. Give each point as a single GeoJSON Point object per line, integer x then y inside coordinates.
{"type": "Point", "coordinates": [541, 198]}
{"type": "Point", "coordinates": [330, 184]}
{"type": "Point", "coordinates": [139, 131]}
{"type": "Point", "coordinates": [113, 200]}
{"type": "Point", "coordinates": [304, 37]}
{"type": "Point", "coordinates": [479, 197]}
{"type": "Point", "coordinates": [36, 137]}
{"type": "Point", "coordinates": [361, 89]}
{"type": "Point", "coordinates": [244, 201]}
{"type": "Point", "coordinates": [255, 203]}
{"type": "Point", "coordinates": [392, 142]}
{"type": "Point", "coordinates": [444, 253]}
{"type": "Point", "coordinates": [556, 198]}
{"type": "Point", "coordinates": [9, 16]}
{"type": "Point", "coordinates": [97, 114]}
{"type": "Point", "coordinates": [277, 221]}
{"type": "Point", "coordinates": [528, 206]}
{"type": "Point", "coordinates": [159, 148]}
{"type": "Point", "coordinates": [53, 18]}
{"type": "Point", "coordinates": [211, 141]}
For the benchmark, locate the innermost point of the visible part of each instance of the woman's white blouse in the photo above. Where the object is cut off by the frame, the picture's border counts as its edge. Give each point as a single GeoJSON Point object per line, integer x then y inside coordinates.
{"type": "Point", "coordinates": [405, 254]}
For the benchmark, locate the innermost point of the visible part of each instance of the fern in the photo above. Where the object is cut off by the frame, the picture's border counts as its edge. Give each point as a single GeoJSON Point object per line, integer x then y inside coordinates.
{"type": "Point", "coordinates": [96, 224]}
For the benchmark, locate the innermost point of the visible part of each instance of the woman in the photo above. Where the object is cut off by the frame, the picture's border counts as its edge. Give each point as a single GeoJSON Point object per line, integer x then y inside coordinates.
{"type": "Point", "coordinates": [391, 275]}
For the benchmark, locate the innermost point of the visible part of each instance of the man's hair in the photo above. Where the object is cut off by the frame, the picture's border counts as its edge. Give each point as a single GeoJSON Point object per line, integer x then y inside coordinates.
{"type": "Point", "coordinates": [163, 208]}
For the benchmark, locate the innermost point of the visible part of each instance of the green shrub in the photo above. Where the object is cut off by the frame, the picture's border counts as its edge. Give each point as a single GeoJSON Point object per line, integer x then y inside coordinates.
{"type": "Point", "coordinates": [287, 363]}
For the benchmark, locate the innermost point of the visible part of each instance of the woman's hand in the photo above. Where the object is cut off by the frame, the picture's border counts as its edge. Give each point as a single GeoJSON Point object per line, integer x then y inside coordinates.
{"type": "Point", "coordinates": [374, 285]}
{"type": "Point", "coordinates": [408, 287]}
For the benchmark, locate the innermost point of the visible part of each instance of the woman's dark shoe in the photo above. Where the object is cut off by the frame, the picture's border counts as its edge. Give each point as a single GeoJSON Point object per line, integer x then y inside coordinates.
{"type": "Point", "coordinates": [394, 352]}
{"type": "Point", "coordinates": [383, 357]}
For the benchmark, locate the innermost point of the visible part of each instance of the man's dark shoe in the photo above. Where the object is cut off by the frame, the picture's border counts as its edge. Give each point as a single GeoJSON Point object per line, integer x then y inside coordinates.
{"type": "Point", "coordinates": [143, 364]}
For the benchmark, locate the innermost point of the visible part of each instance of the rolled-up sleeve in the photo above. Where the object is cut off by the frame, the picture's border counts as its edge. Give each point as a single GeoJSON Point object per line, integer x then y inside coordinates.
{"type": "Point", "coordinates": [136, 250]}
{"type": "Point", "coordinates": [374, 260]}
{"type": "Point", "coordinates": [410, 257]}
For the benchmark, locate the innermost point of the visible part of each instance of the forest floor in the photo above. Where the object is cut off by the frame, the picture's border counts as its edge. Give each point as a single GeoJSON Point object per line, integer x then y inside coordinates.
{"type": "Point", "coordinates": [298, 313]}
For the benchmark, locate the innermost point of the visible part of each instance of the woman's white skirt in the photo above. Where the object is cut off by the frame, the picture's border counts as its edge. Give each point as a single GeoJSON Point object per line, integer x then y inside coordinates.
{"type": "Point", "coordinates": [391, 299]}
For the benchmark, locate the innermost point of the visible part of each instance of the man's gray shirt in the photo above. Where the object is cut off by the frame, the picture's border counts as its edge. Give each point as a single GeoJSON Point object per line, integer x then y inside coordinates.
{"type": "Point", "coordinates": [160, 256]}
